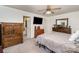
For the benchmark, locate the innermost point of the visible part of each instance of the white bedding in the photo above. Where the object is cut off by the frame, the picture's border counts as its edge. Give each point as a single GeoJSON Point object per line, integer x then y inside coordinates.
{"type": "Point", "coordinates": [58, 42]}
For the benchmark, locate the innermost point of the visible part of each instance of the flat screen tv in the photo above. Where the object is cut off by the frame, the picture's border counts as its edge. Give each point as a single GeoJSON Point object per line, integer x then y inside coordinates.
{"type": "Point", "coordinates": [37, 20]}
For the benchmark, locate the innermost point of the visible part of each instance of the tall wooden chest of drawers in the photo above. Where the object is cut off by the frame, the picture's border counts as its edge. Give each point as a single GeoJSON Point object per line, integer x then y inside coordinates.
{"type": "Point", "coordinates": [12, 34]}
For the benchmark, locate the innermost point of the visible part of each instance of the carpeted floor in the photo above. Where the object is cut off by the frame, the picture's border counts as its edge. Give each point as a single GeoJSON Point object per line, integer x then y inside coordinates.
{"type": "Point", "coordinates": [28, 46]}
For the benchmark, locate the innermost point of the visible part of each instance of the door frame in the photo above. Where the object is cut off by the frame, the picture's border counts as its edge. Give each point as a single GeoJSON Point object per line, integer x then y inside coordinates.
{"type": "Point", "coordinates": [24, 20]}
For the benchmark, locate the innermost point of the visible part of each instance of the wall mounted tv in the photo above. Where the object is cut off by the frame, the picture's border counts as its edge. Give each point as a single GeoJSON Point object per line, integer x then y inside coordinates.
{"type": "Point", "coordinates": [37, 20]}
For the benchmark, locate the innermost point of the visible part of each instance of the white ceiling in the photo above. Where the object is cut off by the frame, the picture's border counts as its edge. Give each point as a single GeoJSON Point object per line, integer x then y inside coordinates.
{"type": "Point", "coordinates": [36, 8]}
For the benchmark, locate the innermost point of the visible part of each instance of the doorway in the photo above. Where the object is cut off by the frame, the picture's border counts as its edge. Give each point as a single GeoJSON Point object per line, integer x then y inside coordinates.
{"type": "Point", "coordinates": [25, 20]}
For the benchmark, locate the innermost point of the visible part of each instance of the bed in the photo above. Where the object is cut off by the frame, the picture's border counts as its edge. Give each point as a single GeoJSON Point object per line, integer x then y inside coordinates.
{"type": "Point", "coordinates": [58, 42]}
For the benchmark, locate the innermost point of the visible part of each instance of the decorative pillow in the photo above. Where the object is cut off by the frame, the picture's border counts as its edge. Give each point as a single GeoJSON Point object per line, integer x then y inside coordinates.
{"type": "Point", "coordinates": [76, 40]}
{"type": "Point", "coordinates": [74, 36]}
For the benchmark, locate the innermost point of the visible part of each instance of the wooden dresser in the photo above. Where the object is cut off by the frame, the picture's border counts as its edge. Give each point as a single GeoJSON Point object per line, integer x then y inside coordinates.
{"type": "Point", "coordinates": [62, 29]}
{"type": "Point", "coordinates": [1, 50]}
{"type": "Point", "coordinates": [11, 33]}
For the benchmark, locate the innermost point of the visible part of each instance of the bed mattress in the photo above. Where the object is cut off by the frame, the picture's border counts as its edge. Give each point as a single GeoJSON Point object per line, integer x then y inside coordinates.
{"type": "Point", "coordinates": [58, 42]}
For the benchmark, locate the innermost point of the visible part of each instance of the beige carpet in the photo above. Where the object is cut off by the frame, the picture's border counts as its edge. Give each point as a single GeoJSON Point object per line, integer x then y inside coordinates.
{"type": "Point", "coordinates": [28, 46]}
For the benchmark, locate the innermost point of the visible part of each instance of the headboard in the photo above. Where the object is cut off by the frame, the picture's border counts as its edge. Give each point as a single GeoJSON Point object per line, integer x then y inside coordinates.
{"type": "Point", "coordinates": [38, 31]}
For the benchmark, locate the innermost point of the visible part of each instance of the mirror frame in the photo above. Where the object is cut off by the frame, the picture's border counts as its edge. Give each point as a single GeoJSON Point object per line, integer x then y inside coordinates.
{"type": "Point", "coordinates": [66, 19]}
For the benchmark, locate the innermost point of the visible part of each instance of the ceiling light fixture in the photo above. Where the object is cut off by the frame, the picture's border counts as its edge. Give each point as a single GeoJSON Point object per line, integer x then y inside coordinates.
{"type": "Point", "coordinates": [49, 10]}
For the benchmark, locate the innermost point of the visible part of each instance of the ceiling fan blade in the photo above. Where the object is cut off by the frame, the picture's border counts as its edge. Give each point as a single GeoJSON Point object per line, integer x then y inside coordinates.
{"type": "Point", "coordinates": [55, 8]}
{"type": "Point", "coordinates": [42, 10]}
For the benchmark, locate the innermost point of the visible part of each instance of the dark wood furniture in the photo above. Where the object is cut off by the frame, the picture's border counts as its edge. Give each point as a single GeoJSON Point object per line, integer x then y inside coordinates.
{"type": "Point", "coordinates": [62, 26]}
{"type": "Point", "coordinates": [38, 31]}
{"type": "Point", "coordinates": [0, 36]}
{"type": "Point", "coordinates": [62, 29]}
{"type": "Point", "coordinates": [1, 49]}
{"type": "Point", "coordinates": [11, 33]}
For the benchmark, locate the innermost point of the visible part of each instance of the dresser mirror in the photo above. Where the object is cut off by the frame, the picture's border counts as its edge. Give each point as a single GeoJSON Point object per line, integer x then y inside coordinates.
{"type": "Point", "coordinates": [62, 22]}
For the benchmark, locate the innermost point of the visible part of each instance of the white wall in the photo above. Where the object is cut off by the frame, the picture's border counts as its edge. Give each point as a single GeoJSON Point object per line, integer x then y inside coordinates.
{"type": "Point", "coordinates": [48, 24]}
{"type": "Point", "coordinates": [73, 20]}
{"type": "Point", "coordinates": [8, 14]}
{"type": "Point", "coordinates": [14, 15]}
{"type": "Point", "coordinates": [33, 25]}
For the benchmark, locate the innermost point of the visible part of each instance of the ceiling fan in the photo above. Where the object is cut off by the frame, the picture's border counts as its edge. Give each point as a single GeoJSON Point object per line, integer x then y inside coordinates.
{"type": "Point", "coordinates": [49, 10]}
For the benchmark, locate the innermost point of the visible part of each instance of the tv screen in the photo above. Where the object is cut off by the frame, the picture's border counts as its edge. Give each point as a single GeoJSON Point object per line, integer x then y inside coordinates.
{"type": "Point", "coordinates": [37, 20]}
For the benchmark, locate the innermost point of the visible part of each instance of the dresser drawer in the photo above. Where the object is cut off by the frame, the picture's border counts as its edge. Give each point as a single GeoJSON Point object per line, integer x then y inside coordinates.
{"type": "Point", "coordinates": [7, 44]}
{"type": "Point", "coordinates": [18, 39]}
{"type": "Point", "coordinates": [18, 28]}
{"type": "Point", "coordinates": [7, 39]}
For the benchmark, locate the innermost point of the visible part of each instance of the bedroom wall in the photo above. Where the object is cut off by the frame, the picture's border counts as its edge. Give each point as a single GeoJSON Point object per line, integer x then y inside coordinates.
{"type": "Point", "coordinates": [48, 24]}
{"type": "Point", "coordinates": [73, 20]}
{"type": "Point", "coordinates": [8, 14]}
{"type": "Point", "coordinates": [14, 15]}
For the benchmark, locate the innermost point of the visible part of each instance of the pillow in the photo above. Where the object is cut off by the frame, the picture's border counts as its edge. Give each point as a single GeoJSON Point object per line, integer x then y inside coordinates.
{"type": "Point", "coordinates": [74, 36]}
{"type": "Point", "coordinates": [76, 40]}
